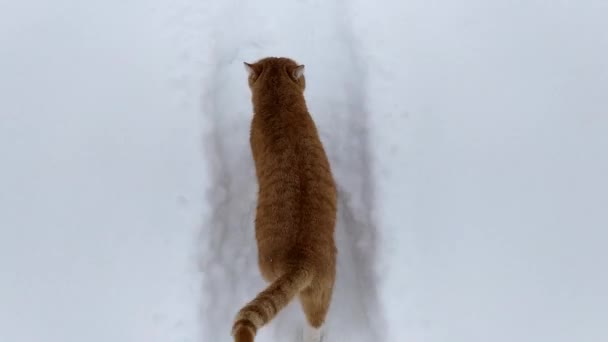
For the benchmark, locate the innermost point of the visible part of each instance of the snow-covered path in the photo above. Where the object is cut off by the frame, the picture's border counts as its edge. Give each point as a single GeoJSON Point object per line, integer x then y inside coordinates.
{"type": "Point", "coordinates": [336, 97]}
{"type": "Point", "coordinates": [468, 140]}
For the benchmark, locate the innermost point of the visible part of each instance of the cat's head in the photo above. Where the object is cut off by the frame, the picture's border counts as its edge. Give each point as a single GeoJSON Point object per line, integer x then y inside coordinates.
{"type": "Point", "coordinates": [275, 71]}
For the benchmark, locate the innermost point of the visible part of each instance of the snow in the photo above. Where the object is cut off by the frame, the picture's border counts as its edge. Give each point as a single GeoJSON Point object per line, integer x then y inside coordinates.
{"type": "Point", "coordinates": [468, 140]}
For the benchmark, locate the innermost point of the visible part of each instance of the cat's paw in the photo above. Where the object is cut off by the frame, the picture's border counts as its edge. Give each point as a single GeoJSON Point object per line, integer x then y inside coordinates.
{"type": "Point", "coordinates": [311, 334]}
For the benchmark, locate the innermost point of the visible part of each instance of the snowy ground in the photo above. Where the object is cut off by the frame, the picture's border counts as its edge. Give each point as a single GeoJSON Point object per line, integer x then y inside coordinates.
{"type": "Point", "coordinates": [468, 139]}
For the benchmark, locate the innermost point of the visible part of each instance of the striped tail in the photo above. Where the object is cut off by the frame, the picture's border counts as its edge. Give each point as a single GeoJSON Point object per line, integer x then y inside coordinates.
{"type": "Point", "coordinates": [268, 303]}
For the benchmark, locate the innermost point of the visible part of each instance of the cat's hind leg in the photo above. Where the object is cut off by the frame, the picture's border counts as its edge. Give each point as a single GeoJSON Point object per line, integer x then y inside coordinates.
{"type": "Point", "coordinates": [315, 303]}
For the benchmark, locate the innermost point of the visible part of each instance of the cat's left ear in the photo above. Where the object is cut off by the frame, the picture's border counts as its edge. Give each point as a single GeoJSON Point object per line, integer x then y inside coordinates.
{"type": "Point", "coordinates": [298, 72]}
{"type": "Point", "coordinates": [249, 68]}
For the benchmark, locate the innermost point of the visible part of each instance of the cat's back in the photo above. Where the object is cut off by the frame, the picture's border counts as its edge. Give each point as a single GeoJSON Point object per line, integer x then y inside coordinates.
{"type": "Point", "coordinates": [295, 181]}
{"type": "Point", "coordinates": [291, 162]}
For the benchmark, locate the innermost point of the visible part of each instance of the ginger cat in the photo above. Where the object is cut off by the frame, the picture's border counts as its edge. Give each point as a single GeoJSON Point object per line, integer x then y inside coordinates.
{"type": "Point", "coordinates": [296, 209]}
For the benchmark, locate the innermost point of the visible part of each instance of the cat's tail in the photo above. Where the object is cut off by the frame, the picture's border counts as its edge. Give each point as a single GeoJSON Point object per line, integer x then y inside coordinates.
{"type": "Point", "coordinates": [265, 306]}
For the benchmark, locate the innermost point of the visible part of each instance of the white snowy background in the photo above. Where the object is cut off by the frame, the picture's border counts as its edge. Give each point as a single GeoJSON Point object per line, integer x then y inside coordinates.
{"type": "Point", "coordinates": [469, 140]}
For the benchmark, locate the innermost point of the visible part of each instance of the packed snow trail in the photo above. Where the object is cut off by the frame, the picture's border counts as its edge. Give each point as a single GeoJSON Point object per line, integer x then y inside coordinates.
{"type": "Point", "coordinates": [336, 98]}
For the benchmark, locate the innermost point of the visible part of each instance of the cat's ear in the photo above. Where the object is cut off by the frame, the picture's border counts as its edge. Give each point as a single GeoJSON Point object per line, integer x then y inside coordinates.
{"type": "Point", "coordinates": [298, 72]}
{"type": "Point", "coordinates": [249, 68]}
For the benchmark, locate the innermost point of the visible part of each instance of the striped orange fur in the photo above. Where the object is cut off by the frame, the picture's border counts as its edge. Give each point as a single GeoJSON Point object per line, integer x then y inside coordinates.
{"type": "Point", "coordinates": [297, 199]}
